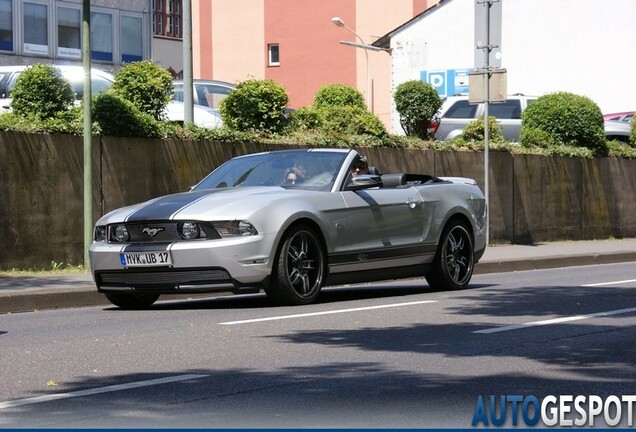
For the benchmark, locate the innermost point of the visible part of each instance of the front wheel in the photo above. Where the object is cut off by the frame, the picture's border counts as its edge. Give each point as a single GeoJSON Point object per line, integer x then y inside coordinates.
{"type": "Point", "coordinates": [454, 261]}
{"type": "Point", "coordinates": [299, 270]}
{"type": "Point", "coordinates": [132, 300]}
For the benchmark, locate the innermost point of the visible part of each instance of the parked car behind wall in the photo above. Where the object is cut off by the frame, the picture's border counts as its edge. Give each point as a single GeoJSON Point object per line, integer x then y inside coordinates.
{"type": "Point", "coordinates": [457, 112]}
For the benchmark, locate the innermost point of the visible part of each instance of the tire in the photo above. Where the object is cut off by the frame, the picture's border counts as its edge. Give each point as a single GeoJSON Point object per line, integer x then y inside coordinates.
{"type": "Point", "coordinates": [299, 269]}
{"type": "Point", "coordinates": [132, 301]}
{"type": "Point", "coordinates": [454, 261]}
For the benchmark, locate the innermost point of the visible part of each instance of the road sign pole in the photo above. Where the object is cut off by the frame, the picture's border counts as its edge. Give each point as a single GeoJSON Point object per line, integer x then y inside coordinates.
{"type": "Point", "coordinates": [485, 29]}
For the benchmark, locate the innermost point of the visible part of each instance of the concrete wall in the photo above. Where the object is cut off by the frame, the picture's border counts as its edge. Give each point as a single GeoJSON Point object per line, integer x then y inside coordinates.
{"type": "Point", "coordinates": [532, 198]}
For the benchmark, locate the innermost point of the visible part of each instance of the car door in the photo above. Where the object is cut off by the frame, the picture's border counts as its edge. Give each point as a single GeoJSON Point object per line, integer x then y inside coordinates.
{"type": "Point", "coordinates": [384, 226]}
{"type": "Point", "coordinates": [508, 115]}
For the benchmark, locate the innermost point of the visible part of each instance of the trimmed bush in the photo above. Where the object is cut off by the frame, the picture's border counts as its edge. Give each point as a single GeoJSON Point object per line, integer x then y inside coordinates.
{"type": "Point", "coordinates": [116, 116]}
{"type": "Point", "coordinates": [350, 120]}
{"type": "Point", "coordinates": [534, 137]}
{"type": "Point", "coordinates": [146, 85]}
{"type": "Point", "coordinates": [303, 119]}
{"type": "Point", "coordinates": [338, 95]}
{"type": "Point", "coordinates": [255, 105]}
{"type": "Point", "coordinates": [632, 139]}
{"type": "Point", "coordinates": [41, 92]}
{"type": "Point", "coordinates": [417, 103]}
{"type": "Point", "coordinates": [474, 131]}
{"type": "Point", "coordinates": [568, 119]}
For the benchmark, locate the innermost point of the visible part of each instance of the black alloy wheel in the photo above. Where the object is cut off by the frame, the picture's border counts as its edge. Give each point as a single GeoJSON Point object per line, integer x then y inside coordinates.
{"type": "Point", "coordinates": [299, 269]}
{"type": "Point", "coordinates": [454, 262]}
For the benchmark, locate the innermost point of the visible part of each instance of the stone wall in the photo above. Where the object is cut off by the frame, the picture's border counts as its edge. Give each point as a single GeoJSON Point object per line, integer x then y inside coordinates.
{"type": "Point", "coordinates": [532, 198]}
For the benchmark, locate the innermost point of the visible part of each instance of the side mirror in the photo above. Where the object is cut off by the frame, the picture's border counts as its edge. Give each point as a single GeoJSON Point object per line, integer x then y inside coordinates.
{"type": "Point", "coordinates": [364, 181]}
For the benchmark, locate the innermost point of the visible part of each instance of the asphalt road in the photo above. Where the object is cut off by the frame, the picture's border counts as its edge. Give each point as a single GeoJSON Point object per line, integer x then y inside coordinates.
{"type": "Point", "coordinates": [380, 355]}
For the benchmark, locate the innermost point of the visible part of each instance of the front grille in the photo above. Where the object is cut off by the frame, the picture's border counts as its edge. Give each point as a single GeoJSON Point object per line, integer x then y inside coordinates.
{"type": "Point", "coordinates": [163, 278]}
{"type": "Point", "coordinates": [166, 232]}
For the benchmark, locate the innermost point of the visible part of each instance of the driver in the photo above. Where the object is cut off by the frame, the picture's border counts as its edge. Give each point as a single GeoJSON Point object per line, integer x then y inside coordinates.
{"type": "Point", "coordinates": [360, 166]}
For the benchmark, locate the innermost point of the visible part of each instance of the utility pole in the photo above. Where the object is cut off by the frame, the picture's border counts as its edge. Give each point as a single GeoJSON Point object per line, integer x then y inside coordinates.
{"type": "Point", "coordinates": [488, 17]}
{"type": "Point", "coordinates": [88, 135]}
{"type": "Point", "coordinates": [188, 96]}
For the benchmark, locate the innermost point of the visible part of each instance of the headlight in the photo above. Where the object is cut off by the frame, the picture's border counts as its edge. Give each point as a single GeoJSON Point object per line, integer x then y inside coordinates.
{"type": "Point", "coordinates": [121, 233]}
{"type": "Point", "coordinates": [189, 230]}
{"type": "Point", "coordinates": [100, 233]}
{"type": "Point", "coordinates": [234, 228]}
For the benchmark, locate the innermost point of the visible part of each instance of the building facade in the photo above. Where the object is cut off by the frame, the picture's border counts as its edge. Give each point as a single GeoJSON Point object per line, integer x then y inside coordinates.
{"type": "Point", "coordinates": [293, 42]}
{"type": "Point", "coordinates": [546, 46]}
{"type": "Point", "coordinates": [50, 31]}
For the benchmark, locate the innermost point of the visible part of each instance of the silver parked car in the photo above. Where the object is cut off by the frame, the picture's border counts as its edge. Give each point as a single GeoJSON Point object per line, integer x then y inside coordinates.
{"type": "Point", "coordinates": [290, 222]}
{"type": "Point", "coordinates": [457, 112]}
{"type": "Point", "coordinates": [101, 81]}
{"type": "Point", "coordinates": [208, 93]}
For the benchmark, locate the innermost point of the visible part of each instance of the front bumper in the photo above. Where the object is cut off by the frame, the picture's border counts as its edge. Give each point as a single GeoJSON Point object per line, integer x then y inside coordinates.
{"type": "Point", "coordinates": [197, 266]}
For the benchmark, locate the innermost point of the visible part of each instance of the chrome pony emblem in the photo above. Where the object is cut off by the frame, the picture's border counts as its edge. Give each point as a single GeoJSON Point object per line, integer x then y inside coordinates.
{"type": "Point", "coordinates": [151, 232]}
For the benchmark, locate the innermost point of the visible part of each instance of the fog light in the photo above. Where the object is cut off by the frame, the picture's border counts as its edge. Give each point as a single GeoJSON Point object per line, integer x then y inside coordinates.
{"type": "Point", "coordinates": [121, 233]}
{"type": "Point", "coordinates": [189, 230]}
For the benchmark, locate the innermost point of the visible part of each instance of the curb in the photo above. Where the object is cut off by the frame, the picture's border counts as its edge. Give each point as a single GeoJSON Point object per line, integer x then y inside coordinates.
{"type": "Point", "coordinates": [511, 265]}
{"type": "Point", "coordinates": [40, 299]}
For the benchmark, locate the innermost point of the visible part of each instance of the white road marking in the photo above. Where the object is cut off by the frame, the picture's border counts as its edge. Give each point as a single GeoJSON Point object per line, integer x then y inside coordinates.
{"type": "Point", "coordinates": [339, 311]}
{"type": "Point", "coordinates": [554, 321]}
{"type": "Point", "coordinates": [610, 283]}
{"type": "Point", "coordinates": [99, 390]}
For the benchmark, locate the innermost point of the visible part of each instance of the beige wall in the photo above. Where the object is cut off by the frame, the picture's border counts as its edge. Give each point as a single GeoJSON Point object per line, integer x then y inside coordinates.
{"type": "Point", "coordinates": [237, 57]}
{"type": "Point", "coordinates": [374, 19]}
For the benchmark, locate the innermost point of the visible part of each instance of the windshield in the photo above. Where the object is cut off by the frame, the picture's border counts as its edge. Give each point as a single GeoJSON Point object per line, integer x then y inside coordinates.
{"type": "Point", "coordinates": [289, 169]}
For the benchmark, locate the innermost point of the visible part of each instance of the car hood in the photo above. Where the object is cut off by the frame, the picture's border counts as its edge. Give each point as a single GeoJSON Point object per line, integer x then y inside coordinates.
{"type": "Point", "coordinates": [209, 204]}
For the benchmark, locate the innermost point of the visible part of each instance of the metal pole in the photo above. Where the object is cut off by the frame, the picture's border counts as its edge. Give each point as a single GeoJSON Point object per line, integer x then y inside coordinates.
{"type": "Point", "coordinates": [188, 97]}
{"type": "Point", "coordinates": [486, 122]}
{"type": "Point", "coordinates": [88, 138]}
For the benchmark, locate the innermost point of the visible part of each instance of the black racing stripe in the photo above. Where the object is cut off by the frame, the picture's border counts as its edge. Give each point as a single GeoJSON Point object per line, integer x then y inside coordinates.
{"type": "Point", "coordinates": [165, 207]}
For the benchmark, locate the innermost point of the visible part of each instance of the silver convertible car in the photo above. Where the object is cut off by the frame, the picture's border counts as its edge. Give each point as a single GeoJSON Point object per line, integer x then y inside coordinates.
{"type": "Point", "coordinates": [290, 222]}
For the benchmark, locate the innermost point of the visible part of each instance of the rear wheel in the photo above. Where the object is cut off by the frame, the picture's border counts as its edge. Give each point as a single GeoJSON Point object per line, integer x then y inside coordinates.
{"type": "Point", "coordinates": [299, 270]}
{"type": "Point", "coordinates": [454, 261]}
{"type": "Point", "coordinates": [132, 300]}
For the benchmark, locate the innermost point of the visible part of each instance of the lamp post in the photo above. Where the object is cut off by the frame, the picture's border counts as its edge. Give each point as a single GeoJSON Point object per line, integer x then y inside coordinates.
{"type": "Point", "coordinates": [340, 23]}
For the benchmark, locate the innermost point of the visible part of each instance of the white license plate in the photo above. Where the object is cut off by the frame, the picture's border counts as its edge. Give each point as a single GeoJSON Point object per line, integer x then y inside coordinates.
{"type": "Point", "coordinates": [145, 259]}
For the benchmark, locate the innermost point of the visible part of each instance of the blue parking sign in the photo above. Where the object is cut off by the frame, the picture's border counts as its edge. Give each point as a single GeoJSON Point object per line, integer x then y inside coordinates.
{"type": "Point", "coordinates": [447, 82]}
{"type": "Point", "coordinates": [437, 79]}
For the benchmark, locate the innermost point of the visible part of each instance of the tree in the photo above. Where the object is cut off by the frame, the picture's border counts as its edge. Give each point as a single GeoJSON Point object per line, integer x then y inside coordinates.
{"type": "Point", "coordinates": [42, 92]}
{"type": "Point", "coordinates": [417, 103]}
{"type": "Point", "coordinates": [145, 84]}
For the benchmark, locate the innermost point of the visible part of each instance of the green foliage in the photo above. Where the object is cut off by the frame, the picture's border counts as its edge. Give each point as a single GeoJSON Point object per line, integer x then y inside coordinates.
{"type": "Point", "coordinates": [632, 138]}
{"type": "Point", "coordinates": [116, 116]}
{"type": "Point", "coordinates": [618, 149]}
{"type": "Point", "coordinates": [255, 105]}
{"type": "Point", "coordinates": [41, 92]}
{"type": "Point", "coordinates": [535, 137]}
{"type": "Point", "coordinates": [569, 119]}
{"type": "Point", "coordinates": [338, 95]}
{"type": "Point", "coordinates": [66, 122]}
{"type": "Point", "coordinates": [474, 131]}
{"type": "Point", "coordinates": [417, 103]}
{"type": "Point", "coordinates": [146, 85]}
{"type": "Point", "coordinates": [305, 118]}
{"type": "Point", "coordinates": [350, 120]}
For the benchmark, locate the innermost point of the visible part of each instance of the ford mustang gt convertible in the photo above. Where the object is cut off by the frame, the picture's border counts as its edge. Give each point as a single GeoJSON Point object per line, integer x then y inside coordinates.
{"type": "Point", "coordinates": [290, 222]}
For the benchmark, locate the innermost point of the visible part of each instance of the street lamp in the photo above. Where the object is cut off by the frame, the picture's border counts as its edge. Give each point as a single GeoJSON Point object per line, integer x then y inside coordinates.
{"type": "Point", "coordinates": [340, 23]}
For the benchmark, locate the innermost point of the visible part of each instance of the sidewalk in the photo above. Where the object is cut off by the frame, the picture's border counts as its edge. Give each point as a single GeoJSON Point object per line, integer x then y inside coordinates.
{"type": "Point", "coordinates": [63, 290]}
